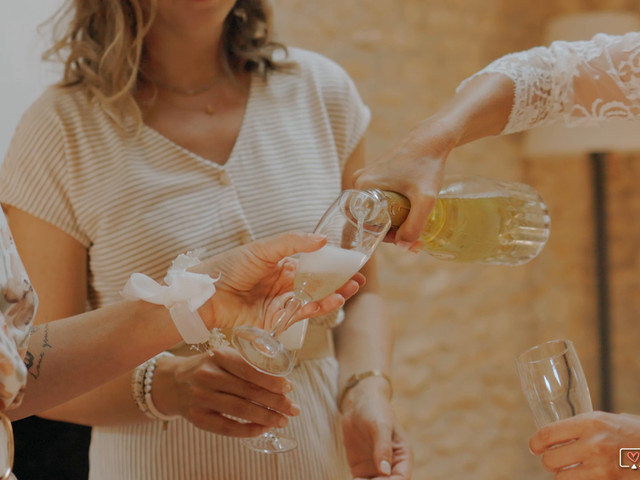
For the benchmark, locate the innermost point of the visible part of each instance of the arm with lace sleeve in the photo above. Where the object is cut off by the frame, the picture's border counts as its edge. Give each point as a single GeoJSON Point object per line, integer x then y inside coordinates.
{"type": "Point", "coordinates": [570, 83]}
{"type": "Point", "coordinates": [574, 83]}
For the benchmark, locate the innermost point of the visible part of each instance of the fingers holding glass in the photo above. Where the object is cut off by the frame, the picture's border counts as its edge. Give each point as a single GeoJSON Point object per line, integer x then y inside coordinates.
{"type": "Point", "coordinates": [222, 394]}
{"type": "Point", "coordinates": [354, 225]}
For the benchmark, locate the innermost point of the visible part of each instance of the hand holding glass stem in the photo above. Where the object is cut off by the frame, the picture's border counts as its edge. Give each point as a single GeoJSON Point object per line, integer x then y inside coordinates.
{"type": "Point", "coordinates": [355, 224]}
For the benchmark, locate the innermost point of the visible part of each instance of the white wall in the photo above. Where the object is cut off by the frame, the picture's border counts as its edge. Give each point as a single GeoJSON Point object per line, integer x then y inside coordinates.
{"type": "Point", "coordinates": [22, 74]}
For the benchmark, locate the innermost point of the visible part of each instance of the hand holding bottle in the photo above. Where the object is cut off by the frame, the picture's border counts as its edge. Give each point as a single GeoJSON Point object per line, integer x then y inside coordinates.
{"type": "Point", "coordinates": [479, 220]}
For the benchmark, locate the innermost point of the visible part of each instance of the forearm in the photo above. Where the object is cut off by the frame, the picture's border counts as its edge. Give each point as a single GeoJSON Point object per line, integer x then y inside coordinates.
{"type": "Point", "coordinates": [479, 109]}
{"type": "Point", "coordinates": [91, 349]}
{"type": "Point", "coordinates": [364, 341]}
{"type": "Point", "coordinates": [108, 404]}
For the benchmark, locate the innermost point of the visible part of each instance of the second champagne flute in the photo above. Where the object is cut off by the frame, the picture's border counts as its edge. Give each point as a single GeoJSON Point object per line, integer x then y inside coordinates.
{"type": "Point", "coordinates": [553, 382]}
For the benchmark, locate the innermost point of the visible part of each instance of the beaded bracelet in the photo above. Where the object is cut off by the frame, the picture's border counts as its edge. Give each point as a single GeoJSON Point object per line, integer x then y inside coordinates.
{"type": "Point", "coordinates": [141, 387]}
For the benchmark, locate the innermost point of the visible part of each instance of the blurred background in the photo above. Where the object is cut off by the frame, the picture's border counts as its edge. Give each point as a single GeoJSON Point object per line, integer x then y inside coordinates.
{"type": "Point", "coordinates": [459, 327]}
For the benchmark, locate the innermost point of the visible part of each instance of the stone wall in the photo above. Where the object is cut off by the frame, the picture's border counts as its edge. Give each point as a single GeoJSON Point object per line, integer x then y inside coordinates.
{"type": "Point", "coordinates": [460, 327]}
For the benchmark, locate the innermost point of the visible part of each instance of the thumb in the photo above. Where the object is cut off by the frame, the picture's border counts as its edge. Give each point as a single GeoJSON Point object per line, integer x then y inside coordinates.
{"type": "Point", "coordinates": [356, 177]}
{"type": "Point", "coordinates": [383, 450]}
{"type": "Point", "coordinates": [411, 228]}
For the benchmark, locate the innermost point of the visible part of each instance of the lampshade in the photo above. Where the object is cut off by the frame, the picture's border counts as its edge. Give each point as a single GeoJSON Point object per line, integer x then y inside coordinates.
{"type": "Point", "coordinates": [615, 135]}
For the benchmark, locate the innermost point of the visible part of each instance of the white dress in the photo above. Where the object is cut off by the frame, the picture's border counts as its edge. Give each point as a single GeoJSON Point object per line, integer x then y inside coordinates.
{"type": "Point", "coordinates": [574, 83]}
{"type": "Point", "coordinates": [18, 303]}
{"type": "Point", "coordinates": [136, 203]}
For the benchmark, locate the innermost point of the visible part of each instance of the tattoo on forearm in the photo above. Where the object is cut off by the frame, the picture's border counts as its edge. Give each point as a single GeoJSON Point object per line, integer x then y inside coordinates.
{"type": "Point", "coordinates": [45, 341]}
{"type": "Point", "coordinates": [29, 358]}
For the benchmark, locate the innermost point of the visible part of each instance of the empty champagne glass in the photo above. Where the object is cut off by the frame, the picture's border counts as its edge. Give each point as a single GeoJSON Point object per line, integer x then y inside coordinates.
{"type": "Point", "coordinates": [553, 382]}
{"type": "Point", "coordinates": [354, 225]}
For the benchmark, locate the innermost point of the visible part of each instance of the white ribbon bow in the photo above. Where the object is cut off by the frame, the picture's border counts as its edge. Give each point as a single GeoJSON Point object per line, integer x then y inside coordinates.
{"type": "Point", "coordinates": [183, 294]}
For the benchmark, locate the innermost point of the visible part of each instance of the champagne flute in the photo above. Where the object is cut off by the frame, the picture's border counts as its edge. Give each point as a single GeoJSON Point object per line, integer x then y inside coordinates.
{"type": "Point", "coordinates": [354, 225]}
{"type": "Point", "coordinates": [553, 382]}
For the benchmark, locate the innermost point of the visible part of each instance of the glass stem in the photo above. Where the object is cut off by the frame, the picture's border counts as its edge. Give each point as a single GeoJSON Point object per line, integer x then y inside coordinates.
{"type": "Point", "coordinates": [284, 321]}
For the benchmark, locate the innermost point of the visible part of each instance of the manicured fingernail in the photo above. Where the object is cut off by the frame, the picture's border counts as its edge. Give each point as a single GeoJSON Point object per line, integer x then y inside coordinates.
{"type": "Point", "coordinates": [287, 387]}
{"type": "Point", "coordinates": [416, 247]}
{"type": "Point", "coordinates": [295, 409]}
{"type": "Point", "coordinates": [283, 422]}
{"type": "Point", "coordinates": [385, 467]}
{"type": "Point", "coordinates": [403, 244]}
{"type": "Point", "coordinates": [317, 237]}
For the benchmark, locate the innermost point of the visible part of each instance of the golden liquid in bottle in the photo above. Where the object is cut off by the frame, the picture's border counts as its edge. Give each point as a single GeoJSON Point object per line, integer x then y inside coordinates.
{"type": "Point", "coordinates": [480, 228]}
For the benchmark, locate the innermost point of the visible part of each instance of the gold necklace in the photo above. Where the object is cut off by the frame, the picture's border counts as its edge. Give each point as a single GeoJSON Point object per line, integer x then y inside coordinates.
{"type": "Point", "coordinates": [190, 92]}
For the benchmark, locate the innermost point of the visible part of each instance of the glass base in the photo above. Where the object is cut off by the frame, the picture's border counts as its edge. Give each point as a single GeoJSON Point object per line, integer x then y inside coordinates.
{"type": "Point", "coordinates": [262, 350]}
{"type": "Point", "coordinates": [270, 442]}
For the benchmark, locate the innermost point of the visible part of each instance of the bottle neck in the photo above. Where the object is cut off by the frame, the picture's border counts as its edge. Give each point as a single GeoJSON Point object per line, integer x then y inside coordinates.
{"type": "Point", "coordinates": [398, 207]}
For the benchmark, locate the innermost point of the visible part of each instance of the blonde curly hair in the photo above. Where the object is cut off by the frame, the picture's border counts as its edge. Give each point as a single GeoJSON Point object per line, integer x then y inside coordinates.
{"type": "Point", "coordinates": [101, 44]}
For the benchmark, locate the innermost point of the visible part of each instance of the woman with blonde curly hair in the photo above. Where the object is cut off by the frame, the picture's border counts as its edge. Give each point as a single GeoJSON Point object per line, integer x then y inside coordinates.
{"type": "Point", "coordinates": [181, 124]}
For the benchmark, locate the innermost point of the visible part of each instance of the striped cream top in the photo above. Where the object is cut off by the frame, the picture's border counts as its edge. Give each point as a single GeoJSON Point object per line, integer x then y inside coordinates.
{"type": "Point", "coordinates": [136, 202]}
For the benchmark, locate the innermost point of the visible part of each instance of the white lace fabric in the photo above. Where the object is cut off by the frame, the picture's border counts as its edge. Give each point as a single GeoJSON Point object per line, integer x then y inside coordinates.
{"type": "Point", "coordinates": [572, 83]}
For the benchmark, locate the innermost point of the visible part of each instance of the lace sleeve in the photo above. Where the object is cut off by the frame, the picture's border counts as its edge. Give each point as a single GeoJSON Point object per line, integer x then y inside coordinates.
{"type": "Point", "coordinates": [573, 83]}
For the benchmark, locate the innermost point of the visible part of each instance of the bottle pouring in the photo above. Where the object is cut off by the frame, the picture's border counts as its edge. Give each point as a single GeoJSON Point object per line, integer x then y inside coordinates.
{"type": "Point", "coordinates": [479, 220]}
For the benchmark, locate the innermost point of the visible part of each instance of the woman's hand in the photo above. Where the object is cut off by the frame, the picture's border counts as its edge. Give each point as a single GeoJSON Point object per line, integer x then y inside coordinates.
{"type": "Point", "coordinates": [591, 442]}
{"type": "Point", "coordinates": [204, 389]}
{"type": "Point", "coordinates": [257, 279]}
{"type": "Point", "coordinates": [414, 167]}
{"type": "Point", "coordinates": [377, 447]}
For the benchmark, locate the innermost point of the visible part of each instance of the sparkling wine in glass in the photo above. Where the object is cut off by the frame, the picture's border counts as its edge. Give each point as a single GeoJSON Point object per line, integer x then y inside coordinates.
{"type": "Point", "coordinates": [553, 382]}
{"type": "Point", "coordinates": [355, 224]}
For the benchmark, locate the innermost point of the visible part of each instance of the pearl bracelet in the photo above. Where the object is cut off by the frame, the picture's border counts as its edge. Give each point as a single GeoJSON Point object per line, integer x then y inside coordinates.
{"type": "Point", "coordinates": [141, 387]}
{"type": "Point", "coordinates": [355, 379]}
